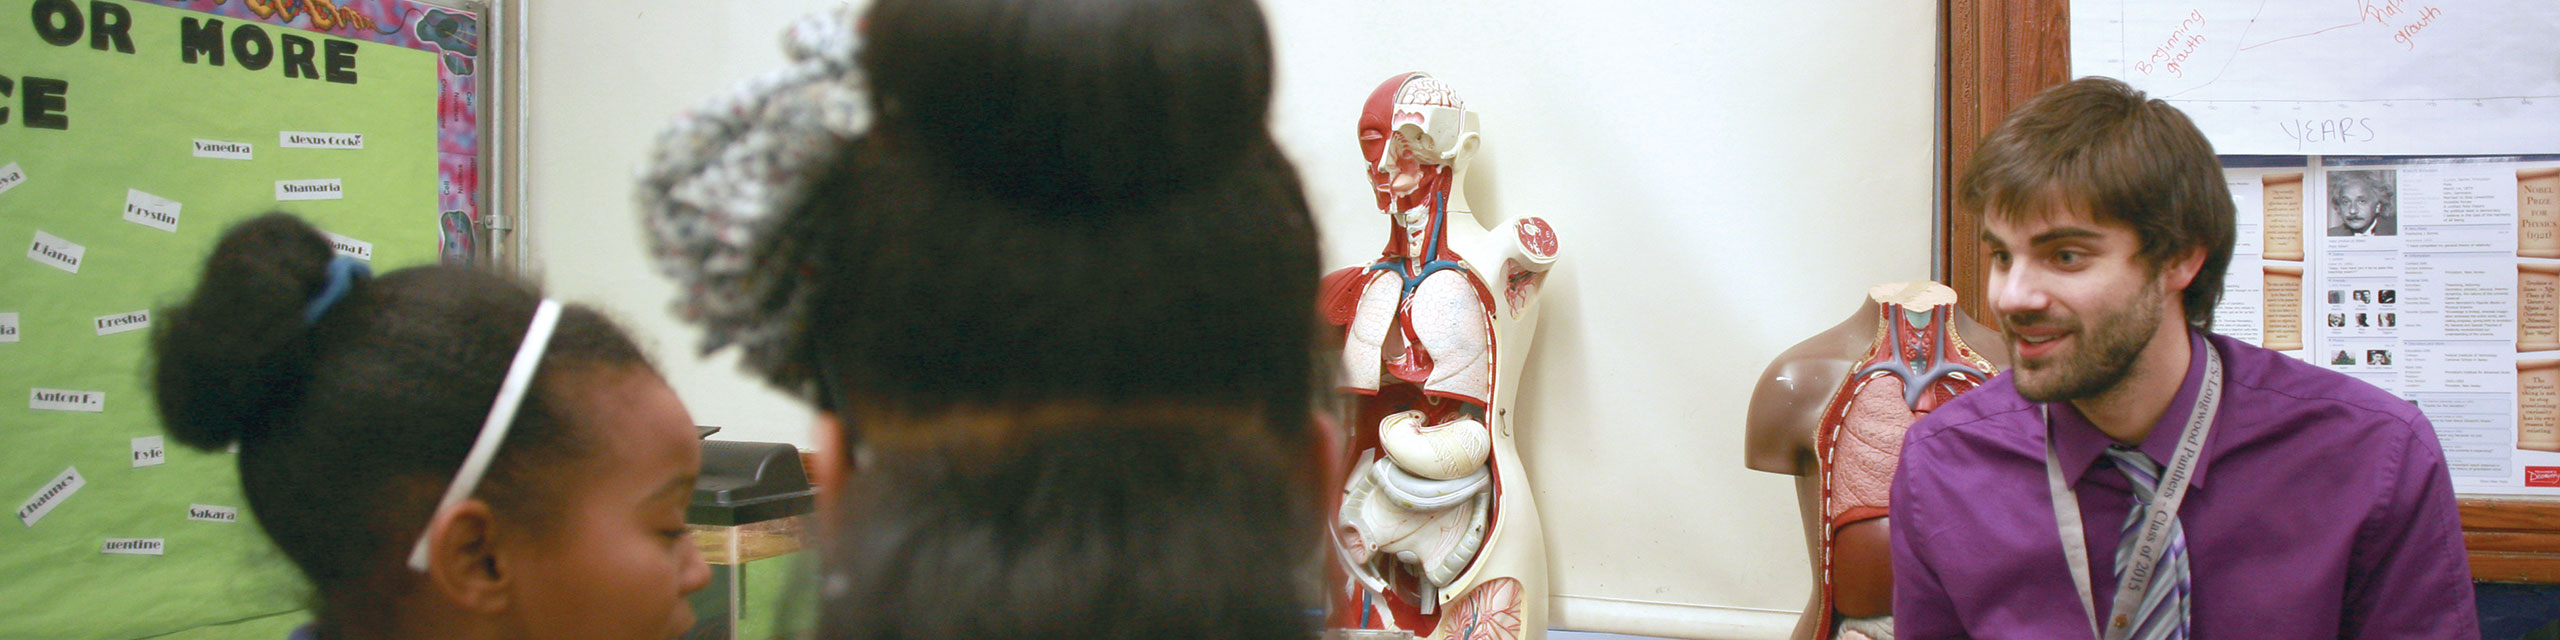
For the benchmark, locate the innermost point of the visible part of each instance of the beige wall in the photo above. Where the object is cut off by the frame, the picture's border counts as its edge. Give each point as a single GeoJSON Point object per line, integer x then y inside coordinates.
{"type": "Point", "coordinates": [1726, 178]}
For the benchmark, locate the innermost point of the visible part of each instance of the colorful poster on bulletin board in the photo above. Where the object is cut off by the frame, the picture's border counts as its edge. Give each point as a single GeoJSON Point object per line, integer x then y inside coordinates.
{"type": "Point", "coordinates": [132, 133]}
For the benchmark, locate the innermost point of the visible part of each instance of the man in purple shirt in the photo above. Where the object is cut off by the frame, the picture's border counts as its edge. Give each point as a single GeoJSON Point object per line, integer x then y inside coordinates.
{"type": "Point", "coordinates": [2274, 500]}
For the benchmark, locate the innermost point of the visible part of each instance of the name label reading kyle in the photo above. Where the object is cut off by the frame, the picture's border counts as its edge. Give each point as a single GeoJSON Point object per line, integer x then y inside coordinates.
{"type": "Point", "coordinates": [312, 140]}
{"type": "Point", "coordinates": [11, 176]}
{"type": "Point", "coordinates": [210, 513]}
{"type": "Point", "coordinates": [60, 400]}
{"type": "Point", "coordinates": [56, 252]}
{"type": "Point", "coordinates": [150, 451]}
{"type": "Point", "coordinates": [9, 327]}
{"type": "Point", "coordinates": [123, 322]}
{"type": "Point", "coordinates": [220, 150]}
{"type": "Point", "coordinates": [324, 189]}
{"type": "Point", "coordinates": [131, 547]}
{"type": "Point", "coordinates": [350, 247]}
{"type": "Point", "coordinates": [151, 211]}
{"type": "Point", "coordinates": [51, 495]}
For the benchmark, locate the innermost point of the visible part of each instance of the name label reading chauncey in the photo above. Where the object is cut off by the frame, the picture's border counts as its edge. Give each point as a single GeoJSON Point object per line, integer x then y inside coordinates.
{"type": "Point", "coordinates": [9, 327]}
{"type": "Point", "coordinates": [61, 400]}
{"type": "Point", "coordinates": [151, 211]}
{"type": "Point", "coordinates": [220, 150]}
{"type": "Point", "coordinates": [56, 252]}
{"type": "Point", "coordinates": [11, 176]}
{"type": "Point", "coordinates": [315, 140]}
{"type": "Point", "coordinates": [131, 546]}
{"type": "Point", "coordinates": [150, 451]}
{"type": "Point", "coordinates": [350, 247]}
{"type": "Point", "coordinates": [324, 189]}
{"type": "Point", "coordinates": [51, 495]}
{"type": "Point", "coordinates": [123, 322]}
{"type": "Point", "coordinates": [210, 513]}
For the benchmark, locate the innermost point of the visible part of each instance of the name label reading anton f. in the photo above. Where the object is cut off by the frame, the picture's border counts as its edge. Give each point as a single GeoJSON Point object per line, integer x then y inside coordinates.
{"type": "Point", "coordinates": [324, 189]}
{"type": "Point", "coordinates": [219, 150]}
{"type": "Point", "coordinates": [132, 546]}
{"type": "Point", "coordinates": [56, 252]}
{"type": "Point", "coordinates": [123, 322]}
{"type": "Point", "coordinates": [51, 495]}
{"type": "Point", "coordinates": [151, 211]}
{"type": "Point", "coordinates": [61, 400]}
{"type": "Point", "coordinates": [313, 140]}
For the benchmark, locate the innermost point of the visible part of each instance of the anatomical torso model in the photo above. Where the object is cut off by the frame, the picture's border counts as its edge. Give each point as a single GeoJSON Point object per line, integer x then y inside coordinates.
{"type": "Point", "coordinates": [1437, 531]}
{"type": "Point", "coordinates": [1832, 411]}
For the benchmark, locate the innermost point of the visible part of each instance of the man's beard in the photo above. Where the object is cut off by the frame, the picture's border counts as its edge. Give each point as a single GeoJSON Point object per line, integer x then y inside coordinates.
{"type": "Point", "coordinates": [2104, 355]}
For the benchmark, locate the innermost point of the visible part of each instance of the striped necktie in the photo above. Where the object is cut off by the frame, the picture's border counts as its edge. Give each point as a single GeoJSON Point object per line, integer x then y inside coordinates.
{"type": "Point", "coordinates": [2163, 613]}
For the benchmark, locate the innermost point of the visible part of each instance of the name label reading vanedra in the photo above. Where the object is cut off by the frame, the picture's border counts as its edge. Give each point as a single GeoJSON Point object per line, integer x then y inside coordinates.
{"type": "Point", "coordinates": [327, 189]}
{"type": "Point", "coordinates": [123, 322]}
{"type": "Point", "coordinates": [220, 150]}
{"type": "Point", "coordinates": [51, 495]}
{"type": "Point", "coordinates": [312, 140]}
{"type": "Point", "coordinates": [61, 400]}
{"type": "Point", "coordinates": [11, 176]}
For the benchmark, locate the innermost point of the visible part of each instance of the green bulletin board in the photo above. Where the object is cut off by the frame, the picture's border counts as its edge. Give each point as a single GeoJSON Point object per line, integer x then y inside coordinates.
{"type": "Point", "coordinates": [128, 144]}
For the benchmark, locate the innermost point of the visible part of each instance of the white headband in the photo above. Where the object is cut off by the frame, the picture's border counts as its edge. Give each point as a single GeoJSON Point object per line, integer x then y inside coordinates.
{"type": "Point", "coordinates": [501, 416]}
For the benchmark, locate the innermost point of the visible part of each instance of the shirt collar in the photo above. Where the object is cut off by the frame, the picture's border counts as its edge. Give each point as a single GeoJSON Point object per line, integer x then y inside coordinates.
{"type": "Point", "coordinates": [2079, 443]}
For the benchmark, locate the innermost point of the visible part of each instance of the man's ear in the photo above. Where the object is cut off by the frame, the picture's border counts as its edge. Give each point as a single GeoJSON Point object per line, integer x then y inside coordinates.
{"type": "Point", "coordinates": [2181, 271]}
{"type": "Point", "coordinates": [828, 435]}
{"type": "Point", "coordinates": [462, 559]}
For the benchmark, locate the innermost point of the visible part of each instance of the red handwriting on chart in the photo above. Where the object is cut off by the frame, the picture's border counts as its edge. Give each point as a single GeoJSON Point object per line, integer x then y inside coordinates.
{"type": "Point", "coordinates": [2173, 51]}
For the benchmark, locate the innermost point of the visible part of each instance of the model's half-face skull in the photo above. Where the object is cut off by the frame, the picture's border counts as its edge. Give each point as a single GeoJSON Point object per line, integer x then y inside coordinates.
{"type": "Point", "coordinates": [1403, 128]}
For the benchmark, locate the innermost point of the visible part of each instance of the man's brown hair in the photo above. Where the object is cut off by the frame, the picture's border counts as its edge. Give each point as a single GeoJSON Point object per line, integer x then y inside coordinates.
{"type": "Point", "coordinates": [2099, 146]}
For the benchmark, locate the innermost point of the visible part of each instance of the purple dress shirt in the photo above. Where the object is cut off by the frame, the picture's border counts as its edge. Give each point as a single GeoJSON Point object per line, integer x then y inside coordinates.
{"type": "Point", "coordinates": [2321, 508]}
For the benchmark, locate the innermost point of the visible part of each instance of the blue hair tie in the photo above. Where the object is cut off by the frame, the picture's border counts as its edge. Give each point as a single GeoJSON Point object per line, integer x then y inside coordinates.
{"type": "Point", "coordinates": [344, 271]}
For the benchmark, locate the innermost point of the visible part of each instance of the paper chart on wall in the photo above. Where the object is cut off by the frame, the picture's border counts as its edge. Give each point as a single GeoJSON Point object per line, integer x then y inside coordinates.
{"type": "Point", "coordinates": [2372, 77]}
{"type": "Point", "coordinates": [2437, 279]}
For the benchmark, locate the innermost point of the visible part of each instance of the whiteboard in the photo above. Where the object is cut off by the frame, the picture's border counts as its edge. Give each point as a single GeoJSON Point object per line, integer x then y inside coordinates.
{"type": "Point", "coordinates": [2370, 77]}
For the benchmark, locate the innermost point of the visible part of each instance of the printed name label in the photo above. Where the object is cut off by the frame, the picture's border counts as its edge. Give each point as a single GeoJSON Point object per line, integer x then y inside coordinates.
{"type": "Point", "coordinates": [60, 400]}
{"type": "Point", "coordinates": [210, 513]}
{"type": "Point", "coordinates": [350, 247]}
{"type": "Point", "coordinates": [9, 327]}
{"type": "Point", "coordinates": [123, 322]}
{"type": "Point", "coordinates": [131, 547]}
{"type": "Point", "coordinates": [316, 140]}
{"type": "Point", "coordinates": [151, 211]}
{"type": "Point", "coordinates": [56, 252]}
{"type": "Point", "coordinates": [51, 495]}
{"type": "Point", "coordinates": [220, 150]}
{"type": "Point", "coordinates": [11, 176]}
{"type": "Point", "coordinates": [327, 189]}
{"type": "Point", "coordinates": [149, 451]}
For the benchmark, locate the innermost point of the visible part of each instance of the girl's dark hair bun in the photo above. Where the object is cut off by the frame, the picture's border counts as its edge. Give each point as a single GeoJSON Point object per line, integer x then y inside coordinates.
{"type": "Point", "coordinates": [232, 358]}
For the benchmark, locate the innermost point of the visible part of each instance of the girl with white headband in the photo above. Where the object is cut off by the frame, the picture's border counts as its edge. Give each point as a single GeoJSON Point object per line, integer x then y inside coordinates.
{"type": "Point", "coordinates": [442, 452]}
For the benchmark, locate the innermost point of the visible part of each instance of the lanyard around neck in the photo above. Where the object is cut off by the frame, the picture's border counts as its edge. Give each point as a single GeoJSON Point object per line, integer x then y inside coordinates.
{"type": "Point", "coordinates": [2154, 537]}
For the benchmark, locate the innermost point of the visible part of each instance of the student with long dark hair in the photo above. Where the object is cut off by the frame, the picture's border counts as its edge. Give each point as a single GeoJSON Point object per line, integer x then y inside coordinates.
{"type": "Point", "coordinates": [442, 452]}
{"type": "Point", "coordinates": [1055, 302]}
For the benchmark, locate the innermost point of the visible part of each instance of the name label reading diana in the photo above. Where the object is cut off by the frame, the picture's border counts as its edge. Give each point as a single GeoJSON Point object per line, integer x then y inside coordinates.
{"type": "Point", "coordinates": [151, 211]}
{"type": "Point", "coordinates": [350, 247]}
{"type": "Point", "coordinates": [150, 451]}
{"type": "Point", "coordinates": [56, 252]}
{"type": "Point", "coordinates": [220, 150]}
{"type": "Point", "coordinates": [11, 176]}
{"type": "Point", "coordinates": [327, 189]}
{"type": "Point", "coordinates": [60, 400]}
{"type": "Point", "coordinates": [210, 513]}
{"type": "Point", "coordinates": [131, 547]}
{"type": "Point", "coordinates": [9, 327]}
{"type": "Point", "coordinates": [51, 495]}
{"type": "Point", "coordinates": [312, 140]}
{"type": "Point", "coordinates": [123, 322]}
